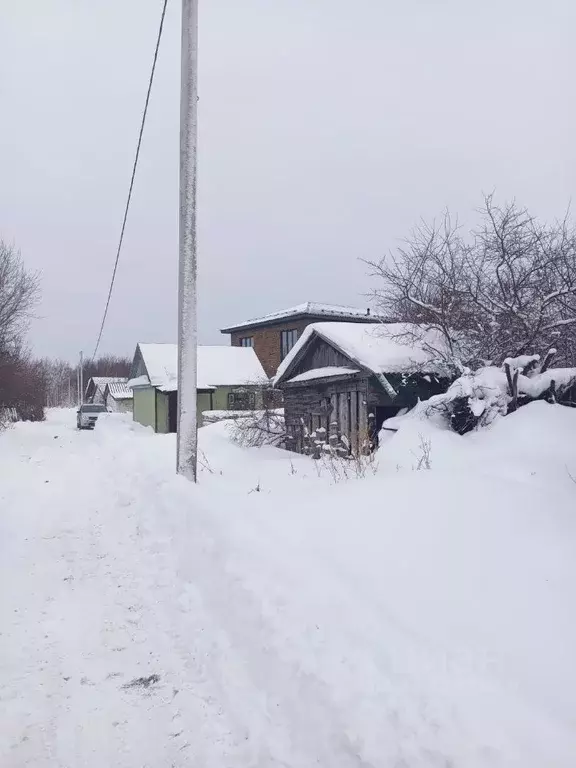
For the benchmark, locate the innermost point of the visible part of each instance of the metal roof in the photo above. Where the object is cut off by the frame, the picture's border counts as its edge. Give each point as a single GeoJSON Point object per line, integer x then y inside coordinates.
{"type": "Point", "coordinates": [309, 309]}
{"type": "Point", "coordinates": [119, 390]}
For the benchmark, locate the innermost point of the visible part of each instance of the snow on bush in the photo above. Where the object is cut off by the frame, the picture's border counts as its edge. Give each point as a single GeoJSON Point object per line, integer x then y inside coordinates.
{"type": "Point", "coordinates": [253, 429]}
{"type": "Point", "coordinates": [477, 398]}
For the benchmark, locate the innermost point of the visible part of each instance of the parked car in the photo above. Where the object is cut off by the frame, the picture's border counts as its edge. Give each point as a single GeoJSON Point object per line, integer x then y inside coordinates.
{"type": "Point", "coordinates": [88, 415]}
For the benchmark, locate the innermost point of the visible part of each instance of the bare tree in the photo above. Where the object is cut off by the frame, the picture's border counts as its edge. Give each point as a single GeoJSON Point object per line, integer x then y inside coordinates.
{"type": "Point", "coordinates": [19, 293]}
{"type": "Point", "coordinates": [108, 365]}
{"type": "Point", "coordinates": [60, 382]}
{"type": "Point", "coordinates": [507, 289]}
{"type": "Point", "coordinates": [21, 387]}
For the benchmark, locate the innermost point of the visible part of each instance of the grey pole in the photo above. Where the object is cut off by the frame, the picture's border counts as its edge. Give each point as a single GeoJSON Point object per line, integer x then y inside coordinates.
{"type": "Point", "coordinates": [81, 379]}
{"type": "Point", "coordinates": [187, 331]}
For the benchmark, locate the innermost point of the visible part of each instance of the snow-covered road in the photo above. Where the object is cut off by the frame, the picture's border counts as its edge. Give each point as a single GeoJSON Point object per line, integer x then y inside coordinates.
{"type": "Point", "coordinates": [268, 618]}
{"type": "Point", "coordinates": [103, 658]}
{"type": "Point", "coordinates": [109, 654]}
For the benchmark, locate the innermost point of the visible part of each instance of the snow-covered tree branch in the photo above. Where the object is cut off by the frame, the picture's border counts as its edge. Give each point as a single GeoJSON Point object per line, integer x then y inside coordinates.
{"type": "Point", "coordinates": [506, 288]}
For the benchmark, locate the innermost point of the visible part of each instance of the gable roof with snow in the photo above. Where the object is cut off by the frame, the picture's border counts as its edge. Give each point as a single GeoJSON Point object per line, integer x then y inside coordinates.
{"type": "Point", "coordinates": [119, 390]}
{"type": "Point", "coordinates": [217, 366]}
{"type": "Point", "coordinates": [103, 380]}
{"type": "Point", "coordinates": [97, 385]}
{"type": "Point", "coordinates": [376, 347]}
{"type": "Point", "coordinates": [309, 309]}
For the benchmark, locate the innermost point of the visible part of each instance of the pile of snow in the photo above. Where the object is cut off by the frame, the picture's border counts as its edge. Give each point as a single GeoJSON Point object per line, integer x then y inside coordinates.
{"type": "Point", "coordinates": [522, 361]}
{"type": "Point", "coordinates": [432, 606]}
{"type": "Point", "coordinates": [412, 618]}
{"type": "Point", "coordinates": [486, 393]}
{"type": "Point", "coordinates": [211, 417]}
{"type": "Point", "coordinates": [536, 385]}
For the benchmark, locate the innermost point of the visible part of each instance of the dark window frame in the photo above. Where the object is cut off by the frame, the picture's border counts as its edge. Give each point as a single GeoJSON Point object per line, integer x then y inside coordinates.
{"type": "Point", "coordinates": [286, 336]}
{"type": "Point", "coordinates": [247, 341]}
{"type": "Point", "coordinates": [248, 396]}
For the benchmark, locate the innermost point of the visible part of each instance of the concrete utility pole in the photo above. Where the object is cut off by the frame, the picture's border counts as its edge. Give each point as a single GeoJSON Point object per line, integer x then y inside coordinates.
{"type": "Point", "coordinates": [187, 331]}
{"type": "Point", "coordinates": [81, 380]}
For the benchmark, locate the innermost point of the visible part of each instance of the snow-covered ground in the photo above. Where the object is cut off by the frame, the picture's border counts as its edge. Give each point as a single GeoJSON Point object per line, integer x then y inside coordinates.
{"type": "Point", "coordinates": [271, 616]}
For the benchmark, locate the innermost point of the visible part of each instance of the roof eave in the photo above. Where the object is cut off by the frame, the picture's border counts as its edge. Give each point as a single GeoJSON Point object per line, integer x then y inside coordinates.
{"type": "Point", "coordinates": [312, 317]}
{"type": "Point", "coordinates": [301, 352]}
{"type": "Point", "coordinates": [325, 379]}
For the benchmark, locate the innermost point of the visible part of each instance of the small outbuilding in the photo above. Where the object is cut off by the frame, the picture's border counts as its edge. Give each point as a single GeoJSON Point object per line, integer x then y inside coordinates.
{"type": "Point", "coordinates": [118, 397]}
{"type": "Point", "coordinates": [228, 378]}
{"type": "Point", "coordinates": [96, 387]}
{"type": "Point", "coordinates": [342, 380]}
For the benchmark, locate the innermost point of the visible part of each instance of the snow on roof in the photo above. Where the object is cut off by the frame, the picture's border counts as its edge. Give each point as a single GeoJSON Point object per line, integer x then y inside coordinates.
{"type": "Point", "coordinates": [309, 308]}
{"type": "Point", "coordinates": [217, 366]}
{"type": "Point", "coordinates": [323, 373]}
{"type": "Point", "coordinates": [381, 348]}
{"type": "Point", "coordinates": [139, 381]}
{"type": "Point", "coordinates": [119, 390]}
{"type": "Point", "coordinates": [101, 381]}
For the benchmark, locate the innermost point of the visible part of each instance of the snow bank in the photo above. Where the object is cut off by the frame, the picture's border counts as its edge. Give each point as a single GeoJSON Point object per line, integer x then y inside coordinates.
{"type": "Point", "coordinates": [210, 417]}
{"type": "Point", "coordinates": [486, 392]}
{"type": "Point", "coordinates": [432, 605]}
{"type": "Point", "coordinates": [413, 618]}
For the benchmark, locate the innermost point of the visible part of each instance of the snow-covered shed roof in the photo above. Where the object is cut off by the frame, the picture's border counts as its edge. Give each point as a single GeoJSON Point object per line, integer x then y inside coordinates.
{"type": "Point", "coordinates": [308, 309]}
{"type": "Point", "coordinates": [377, 347]}
{"type": "Point", "coordinates": [98, 384]}
{"type": "Point", "coordinates": [101, 381]}
{"type": "Point", "coordinates": [324, 373]}
{"type": "Point", "coordinates": [218, 366]}
{"type": "Point", "coordinates": [119, 390]}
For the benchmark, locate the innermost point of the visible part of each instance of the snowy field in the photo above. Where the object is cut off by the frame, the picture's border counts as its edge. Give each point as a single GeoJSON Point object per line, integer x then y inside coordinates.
{"type": "Point", "coordinates": [279, 614]}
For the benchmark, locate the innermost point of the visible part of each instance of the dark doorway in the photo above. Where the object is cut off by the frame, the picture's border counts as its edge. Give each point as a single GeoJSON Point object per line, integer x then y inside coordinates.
{"type": "Point", "coordinates": [172, 411]}
{"type": "Point", "coordinates": [384, 412]}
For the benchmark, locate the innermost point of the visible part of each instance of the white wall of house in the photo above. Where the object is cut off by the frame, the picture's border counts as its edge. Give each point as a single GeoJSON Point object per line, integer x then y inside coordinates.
{"type": "Point", "coordinates": [123, 405]}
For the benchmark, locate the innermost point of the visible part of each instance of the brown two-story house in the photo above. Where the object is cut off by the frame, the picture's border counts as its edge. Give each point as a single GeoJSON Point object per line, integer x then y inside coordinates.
{"type": "Point", "coordinates": [274, 335]}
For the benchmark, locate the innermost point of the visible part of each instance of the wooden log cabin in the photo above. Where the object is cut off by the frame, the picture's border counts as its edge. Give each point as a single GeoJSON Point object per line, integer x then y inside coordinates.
{"type": "Point", "coordinates": [342, 380]}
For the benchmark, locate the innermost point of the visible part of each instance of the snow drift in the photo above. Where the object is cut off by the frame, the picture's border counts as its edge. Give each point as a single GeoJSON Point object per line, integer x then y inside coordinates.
{"type": "Point", "coordinates": [413, 618]}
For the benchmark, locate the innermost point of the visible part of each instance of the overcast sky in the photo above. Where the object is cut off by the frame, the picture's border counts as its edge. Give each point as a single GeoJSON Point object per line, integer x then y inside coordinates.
{"type": "Point", "coordinates": [327, 129]}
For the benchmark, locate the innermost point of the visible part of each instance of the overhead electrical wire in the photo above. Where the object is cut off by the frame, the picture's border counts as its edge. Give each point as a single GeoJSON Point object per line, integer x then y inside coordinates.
{"type": "Point", "coordinates": [143, 122]}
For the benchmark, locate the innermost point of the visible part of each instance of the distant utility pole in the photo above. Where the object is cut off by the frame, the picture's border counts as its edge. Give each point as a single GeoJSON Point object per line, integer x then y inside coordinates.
{"type": "Point", "coordinates": [186, 459]}
{"type": "Point", "coordinates": [81, 380]}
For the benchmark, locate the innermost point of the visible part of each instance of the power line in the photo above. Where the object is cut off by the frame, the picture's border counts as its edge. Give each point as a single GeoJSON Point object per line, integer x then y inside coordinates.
{"type": "Point", "coordinates": [151, 80]}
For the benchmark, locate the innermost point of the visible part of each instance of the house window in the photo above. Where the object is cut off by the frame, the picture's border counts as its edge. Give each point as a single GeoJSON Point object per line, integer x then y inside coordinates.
{"type": "Point", "coordinates": [247, 341]}
{"type": "Point", "coordinates": [287, 341]}
{"type": "Point", "coordinates": [241, 401]}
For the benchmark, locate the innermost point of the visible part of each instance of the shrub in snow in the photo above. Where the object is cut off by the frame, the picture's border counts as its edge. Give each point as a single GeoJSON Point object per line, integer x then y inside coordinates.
{"type": "Point", "coordinates": [263, 427]}
{"type": "Point", "coordinates": [476, 399]}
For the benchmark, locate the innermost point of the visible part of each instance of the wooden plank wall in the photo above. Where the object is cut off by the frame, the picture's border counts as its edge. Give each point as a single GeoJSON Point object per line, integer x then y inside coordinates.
{"type": "Point", "coordinates": [321, 355]}
{"type": "Point", "coordinates": [316, 406]}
